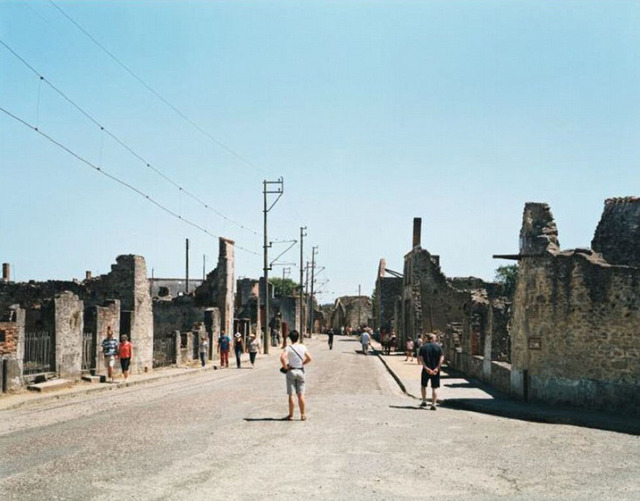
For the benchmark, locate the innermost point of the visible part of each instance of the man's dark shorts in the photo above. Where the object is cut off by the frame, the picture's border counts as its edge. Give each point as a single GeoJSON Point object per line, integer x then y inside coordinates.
{"type": "Point", "coordinates": [435, 379]}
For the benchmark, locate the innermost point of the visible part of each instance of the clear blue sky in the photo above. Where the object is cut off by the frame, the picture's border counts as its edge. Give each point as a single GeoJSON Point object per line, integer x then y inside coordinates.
{"type": "Point", "coordinates": [373, 112]}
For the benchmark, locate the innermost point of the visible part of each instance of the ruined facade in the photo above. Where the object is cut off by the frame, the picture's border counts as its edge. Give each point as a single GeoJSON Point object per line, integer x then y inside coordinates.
{"type": "Point", "coordinates": [576, 314]}
{"type": "Point", "coordinates": [55, 328]}
{"type": "Point", "coordinates": [388, 293]}
{"type": "Point", "coordinates": [469, 315]}
{"type": "Point", "coordinates": [218, 289]}
{"type": "Point", "coordinates": [59, 325]}
{"type": "Point", "coordinates": [351, 312]}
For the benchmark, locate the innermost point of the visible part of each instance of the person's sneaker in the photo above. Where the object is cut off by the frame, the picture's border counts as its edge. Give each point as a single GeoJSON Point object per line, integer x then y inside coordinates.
{"type": "Point", "coordinates": [433, 407]}
{"type": "Point", "coordinates": [423, 404]}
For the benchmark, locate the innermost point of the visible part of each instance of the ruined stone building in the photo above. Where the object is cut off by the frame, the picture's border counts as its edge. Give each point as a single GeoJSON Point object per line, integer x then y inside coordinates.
{"type": "Point", "coordinates": [576, 313]}
{"type": "Point", "coordinates": [469, 315]}
{"type": "Point", "coordinates": [55, 328]}
{"type": "Point", "coordinates": [352, 312]}
{"type": "Point", "coordinates": [388, 294]}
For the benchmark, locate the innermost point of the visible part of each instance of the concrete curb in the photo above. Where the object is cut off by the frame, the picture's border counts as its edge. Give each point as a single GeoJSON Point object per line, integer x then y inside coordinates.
{"type": "Point", "coordinates": [88, 388]}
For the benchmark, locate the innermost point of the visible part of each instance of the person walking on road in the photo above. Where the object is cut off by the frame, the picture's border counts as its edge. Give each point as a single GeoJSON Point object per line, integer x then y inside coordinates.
{"type": "Point", "coordinates": [365, 339]}
{"type": "Point", "coordinates": [293, 359]}
{"type": "Point", "coordinates": [416, 347]}
{"type": "Point", "coordinates": [110, 352]}
{"type": "Point", "coordinates": [409, 350]}
{"type": "Point", "coordinates": [125, 351]}
{"type": "Point", "coordinates": [203, 349]}
{"type": "Point", "coordinates": [431, 357]}
{"type": "Point", "coordinates": [224, 343]}
{"type": "Point", "coordinates": [254, 348]}
{"type": "Point", "coordinates": [238, 348]}
{"type": "Point", "coordinates": [330, 338]}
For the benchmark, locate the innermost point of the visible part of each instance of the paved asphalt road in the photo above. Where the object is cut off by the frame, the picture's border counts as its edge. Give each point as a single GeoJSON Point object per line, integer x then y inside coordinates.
{"type": "Point", "coordinates": [218, 435]}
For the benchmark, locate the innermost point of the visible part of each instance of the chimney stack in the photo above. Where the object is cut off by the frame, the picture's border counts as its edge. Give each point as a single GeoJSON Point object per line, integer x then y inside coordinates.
{"type": "Point", "coordinates": [417, 229]}
{"type": "Point", "coordinates": [6, 272]}
{"type": "Point", "coordinates": [87, 275]}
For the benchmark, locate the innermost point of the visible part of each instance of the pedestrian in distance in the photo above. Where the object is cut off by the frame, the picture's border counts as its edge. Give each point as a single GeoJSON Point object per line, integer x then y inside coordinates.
{"type": "Point", "coordinates": [224, 344]}
{"type": "Point", "coordinates": [330, 338]}
{"type": "Point", "coordinates": [431, 356]}
{"type": "Point", "coordinates": [416, 347]}
{"type": "Point", "coordinates": [293, 358]}
{"type": "Point", "coordinates": [393, 343]}
{"type": "Point", "coordinates": [365, 340]}
{"type": "Point", "coordinates": [203, 349]}
{"type": "Point", "coordinates": [254, 348]}
{"type": "Point", "coordinates": [110, 352]}
{"type": "Point", "coordinates": [409, 350]}
{"type": "Point", "coordinates": [238, 348]}
{"type": "Point", "coordinates": [125, 352]}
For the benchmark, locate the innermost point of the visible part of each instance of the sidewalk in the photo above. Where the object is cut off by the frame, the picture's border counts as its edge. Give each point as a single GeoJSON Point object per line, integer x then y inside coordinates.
{"type": "Point", "coordinates": [27, 397]}
{"type": "Point", "coordinates": [458, 392]}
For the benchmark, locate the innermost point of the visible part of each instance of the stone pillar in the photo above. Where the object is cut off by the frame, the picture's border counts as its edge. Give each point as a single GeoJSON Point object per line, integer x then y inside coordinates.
{"type": "Point", "coordinates": [538, 234]}
{"type": "Point", "coordinates": [226, 282]}
{"type": "Point", "coordinates": [6, 272]}
{"type": "Point", "coordinates": [212, 326]}
{"type": "Point", "coordinates": [69, 325]}
{"type": "Point", "coordinates": [129, 280]}
{"type": "Point", "coordinates": [107, 315]}
{"type": "Point", "coordinates": [417, 230]}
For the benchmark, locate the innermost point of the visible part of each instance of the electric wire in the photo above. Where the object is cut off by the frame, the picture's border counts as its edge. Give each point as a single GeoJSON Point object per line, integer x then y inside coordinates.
{"type": "Point", "coordinates": [115, 178]}
{"type": "Point", "coordinates": [153, 91]}
{"type": "Point", "coordinates": [117, 139]}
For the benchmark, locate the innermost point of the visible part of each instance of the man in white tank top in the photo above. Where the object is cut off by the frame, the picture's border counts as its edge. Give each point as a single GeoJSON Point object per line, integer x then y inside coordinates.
{"type": "Point", "coordinates": [293, 359]}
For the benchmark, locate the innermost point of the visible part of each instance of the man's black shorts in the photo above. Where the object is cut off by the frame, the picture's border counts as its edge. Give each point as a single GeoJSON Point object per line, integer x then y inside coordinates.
{"type": "Point", "coordinates": [435, 379]}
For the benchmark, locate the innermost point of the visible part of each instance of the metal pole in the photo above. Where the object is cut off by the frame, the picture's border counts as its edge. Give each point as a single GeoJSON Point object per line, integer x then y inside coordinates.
{"type": "Point", "coordinates": [186, 288]}
{"type": "Point", "coordinates": [267, 316]}
{"type": "Point", "coordinates": [302, 235]}
{"type": "Point", "coordinates": [266, 341]}
{"type": "Point", "coordinates": [306, 294]}
{"type": "Point", "coordinates": [359, 304]}
{"type": "Point", "coordinates": [204, 267]}
{"type": "Point", "coordinates": [313, 267]}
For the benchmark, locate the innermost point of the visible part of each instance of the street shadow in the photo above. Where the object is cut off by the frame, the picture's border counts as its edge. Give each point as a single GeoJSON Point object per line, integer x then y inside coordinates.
{"type": "Point", "coordinates": [280, 419]}
{"type": "Point", "coordinates": [461, 385]}
{"type": "Point", "coordinates": [407, 407]}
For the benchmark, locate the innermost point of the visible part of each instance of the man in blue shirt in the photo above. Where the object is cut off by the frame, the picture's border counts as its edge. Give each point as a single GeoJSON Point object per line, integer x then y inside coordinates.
{"type": "Point", "coordinates": [110, 351]}
{"type": "Point", "coordinates": [431, 356]}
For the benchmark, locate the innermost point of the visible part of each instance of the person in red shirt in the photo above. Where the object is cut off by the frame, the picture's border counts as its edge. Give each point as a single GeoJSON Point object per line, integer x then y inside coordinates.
{"type": "Point", "coordinates": [125, 352]}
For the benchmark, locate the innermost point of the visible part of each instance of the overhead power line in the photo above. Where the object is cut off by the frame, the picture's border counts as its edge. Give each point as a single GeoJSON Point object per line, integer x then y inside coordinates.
{"type": "Point", "coordinates": [153, 91]}
{"type": "Point", "coordinates": [115, 178]}
{"type": "Point", "coordinates": [119, 141]}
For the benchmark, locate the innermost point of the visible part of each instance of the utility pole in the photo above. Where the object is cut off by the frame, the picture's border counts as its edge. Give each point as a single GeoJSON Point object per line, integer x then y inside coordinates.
{"type": "Point", "coordinates": [306, 295]}
{"type": "Point", "coordinates": [186, 288]}
{"type": "Point", "coordinates": [204, 267]}
{"type": "Point", "coordinates": [302, 235]}
{"type": "Point", "coordinates": [314, 250]}
{"type": "Point", "coordinates": [266, 338]}
{"type": "Point", "coordinates": [359, 305]}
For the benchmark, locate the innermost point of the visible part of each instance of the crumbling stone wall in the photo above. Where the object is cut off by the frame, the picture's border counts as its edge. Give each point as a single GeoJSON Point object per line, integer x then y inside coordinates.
{"type": "Point", "coordinates": [575, 336]}
{"type": "Point", "coordinates": [127, 282]}
{"type": "Point", "coordinates": [12, 325]}
{"type": "Point", "coordinates": [388, 290]}
{"type": "Point", "coordinates": [218, 288]}
{"type": "Point", "coordinates": [469, 314]}
{"type": "Point", "coordinates": [69, 325]}
{"type": "Point", "coordinates": [617, 237]}
{"type": "Point", "coordinates": [352, 311]}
